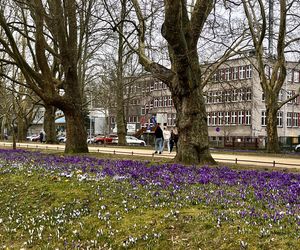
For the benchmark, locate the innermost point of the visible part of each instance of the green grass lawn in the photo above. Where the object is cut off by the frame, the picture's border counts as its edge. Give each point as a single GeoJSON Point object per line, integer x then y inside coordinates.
{"type": "Point", "coordinates": [77, 202]}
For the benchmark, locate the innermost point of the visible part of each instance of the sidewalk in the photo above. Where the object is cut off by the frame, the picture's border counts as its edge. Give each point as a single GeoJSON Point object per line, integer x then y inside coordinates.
{"type": "Point", "coordinates": [255, 160]}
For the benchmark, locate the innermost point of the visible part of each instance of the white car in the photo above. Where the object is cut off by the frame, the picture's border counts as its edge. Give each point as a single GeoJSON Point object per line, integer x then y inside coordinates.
{"type": "Point", "coordinates": [33, 138]}
{"type": "Point", "coordinates": [61, 138]}
{"type": "Point", "coordinates": [297, 148]}
{"type": "Point", "coordinates": [90, 140]}
{"type": "Point", "coordinates": [131, 140]}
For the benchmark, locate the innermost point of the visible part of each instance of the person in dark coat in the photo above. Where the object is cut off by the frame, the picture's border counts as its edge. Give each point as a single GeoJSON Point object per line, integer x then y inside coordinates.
{"type": "Point", "coordinates": [159, 139]}
{"type": "Point", "coordinates": [172, 137]}
{"type": "Point", "coordinates": [41, 136]}
{"type": "Point", "coordinates": [173, 140]}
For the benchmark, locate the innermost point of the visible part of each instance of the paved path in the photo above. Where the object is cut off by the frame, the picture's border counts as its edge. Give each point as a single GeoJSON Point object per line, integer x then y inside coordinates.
{"type": "Point", "coordinates": [255, 160]}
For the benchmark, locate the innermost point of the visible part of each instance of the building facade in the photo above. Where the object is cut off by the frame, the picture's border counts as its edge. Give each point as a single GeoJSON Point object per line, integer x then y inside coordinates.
{"type": "Point", "coordinates": [235, 102]}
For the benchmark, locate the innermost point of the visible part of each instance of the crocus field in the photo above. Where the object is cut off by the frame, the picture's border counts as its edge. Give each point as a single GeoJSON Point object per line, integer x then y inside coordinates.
{"type": "Point", "coordinates": [80, 202]}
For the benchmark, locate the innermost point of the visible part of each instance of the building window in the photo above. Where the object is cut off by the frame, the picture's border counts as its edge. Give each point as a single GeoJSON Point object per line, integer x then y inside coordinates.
{"type": "Point", "coordinates": [227, 118]}
{"type": "Point", "coordinates": [295, 119]}
{"type": "Point", "coordinates": [248, 94]}
{"type": "Point", "coordinates": [289, 95]}
{"type": "Point", "coordinates": [160, 102]}
{"type": "Point", "coordinates": [240, 117]}
{"type": "Point", "coordinates": [296, 76]}
{"type": "Point", "coordinates": [151, 87]}
{"type": "Point", "coordinates": [289, 75]}
{"type": "Point", "coordinates": [209, 97]}
{"type": "Point", "coordinates": [112, 120]}
{"type": "Point", "coordinates": [227, 74]}
{"type": "Point", "coordinates": [151, 104]}
{"type": "Point", "coordinates": [216, 77]}
{"type": "Point", "coordinates": [263, 118]}
{"type": "Point", "coordinates": [215, 97]}
{"type": "Point", "coordinates": [222, 74]}
{"type": "Point", "coordinates": [170, 101]}
{"type": "Point", "coordinates": [220, 118]}
{"type": "Point", "coordinates": [214, 119]}
{"type": "Point", "coordinates": [133, 119]}
{"type": "Point", "coordinates": [289, 116]}
{"type": "Point", "coordinates": [165, 100]}
{"type": "Point", "coordinates": [234, 95]}
{"type": "Point", "coordinates": [279, 118]}
{"type": "Point", "coordinates": [227, 96]}
{"type": "Point", "coordinates": [219, 97]}
{"type": "Point", "coordinates": [233, 117]}
{"type": "Point", "coordinates": [249, 71]}
{"type": "Point", "coordinates": [242, 72]}
{"type": "Point", "coordinates": [241, 94]}
{"type": "Point", "coordinates": [145, 109]}
{"type": "Point", "coordinates": [171, 119]}
{"type": "Point", "coordinates": [235, 73]}
{"type": "Point", "coordinates": [208, 119]}
{"type": "Point", "coordinates": [248, 117]}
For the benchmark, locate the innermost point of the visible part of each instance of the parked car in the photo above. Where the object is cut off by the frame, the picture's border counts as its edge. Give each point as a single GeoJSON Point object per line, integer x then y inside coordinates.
{"type": "Point", "coordinates": [61, 138]}
{"type": "Point", "coordinates": [33, 138]}
{"type": "Point", "coordinates": [131, 140]}
{"type": "Point", "coordinates": [297, 148]}
{"type": "Point", "coordinates": [102, 139]}
{"type": "Point", "coordinates": [114, 138]}
{"type": "Point", "coordinates": [91, 139]}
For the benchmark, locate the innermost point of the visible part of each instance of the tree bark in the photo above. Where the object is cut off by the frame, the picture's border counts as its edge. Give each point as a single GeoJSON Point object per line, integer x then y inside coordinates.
{"type": "Point", "coordinates": [22, 129]}
{"type": "Point", "coordinates": [76, 132]}
{"type": "Point", "coordinates": [121, 121]}
{"type": "Point", "coordinates": [272, 142]}
{"type": "Point", "coordinates": [49, 124]}
{"type": "Point", "coordinates": [193, 144]}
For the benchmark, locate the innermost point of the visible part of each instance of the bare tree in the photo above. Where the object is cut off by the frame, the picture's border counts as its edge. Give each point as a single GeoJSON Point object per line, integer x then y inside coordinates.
{"type": "Point", "coordinates": [182, 32]}
{"type": "Point", "coordinates": [54, 41]}
{"type": "Point", "coordinates": [284, 37]}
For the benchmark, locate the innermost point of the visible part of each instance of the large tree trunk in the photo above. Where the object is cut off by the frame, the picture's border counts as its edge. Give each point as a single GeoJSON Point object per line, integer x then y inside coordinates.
{"type": "Point", "coordinates": [121, 122]}
{"type": "Point", "coordinates": [272, 142]}
{"type": "Point", "coordinates": [182, 30]}
{"type": "Point", "coordinates": [76, 132]}
{"type": "Point", "coordinates": [22, 129]}
{"type": "Point", "coordinates": [192, 129]}
{"type": "Point", "coordinates": [49, 124]}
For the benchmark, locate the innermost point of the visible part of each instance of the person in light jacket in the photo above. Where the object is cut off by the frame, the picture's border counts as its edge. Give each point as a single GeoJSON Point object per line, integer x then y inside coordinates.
{"type": "Point", "coordinates": [167, 135]}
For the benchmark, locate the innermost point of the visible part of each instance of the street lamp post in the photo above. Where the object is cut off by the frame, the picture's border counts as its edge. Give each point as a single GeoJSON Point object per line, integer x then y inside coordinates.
{"type": "Point", "coordinates": [91, 106]}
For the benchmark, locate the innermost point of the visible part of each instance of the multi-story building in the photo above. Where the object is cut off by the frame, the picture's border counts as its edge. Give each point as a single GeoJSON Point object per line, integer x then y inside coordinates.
{"type": "Point", "coordinates": [234, 103]}
{"type": "Point", "coordinates": [146, 98]}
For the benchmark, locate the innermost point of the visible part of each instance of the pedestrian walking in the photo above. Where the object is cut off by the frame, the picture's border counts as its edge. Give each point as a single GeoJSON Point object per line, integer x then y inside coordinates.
{"type": "Point", "coordinates": [159, 138]}
{"type": "Point", "coordinates": [167, 135]}
{"type": "Point", "coordinates": [172, 137]}
{"type": "Point", "coordinates": [173, 140]}
{"type": "Point", "coordinates": [41, 136]}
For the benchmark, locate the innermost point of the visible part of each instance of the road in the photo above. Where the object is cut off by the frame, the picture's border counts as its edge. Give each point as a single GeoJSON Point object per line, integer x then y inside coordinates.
{"type": "Point", "coordinates": [254, 160]}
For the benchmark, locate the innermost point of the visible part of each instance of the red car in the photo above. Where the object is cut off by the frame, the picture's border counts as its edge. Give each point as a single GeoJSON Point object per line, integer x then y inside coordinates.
{"type": "Point", "coordinates": [102, 140]}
